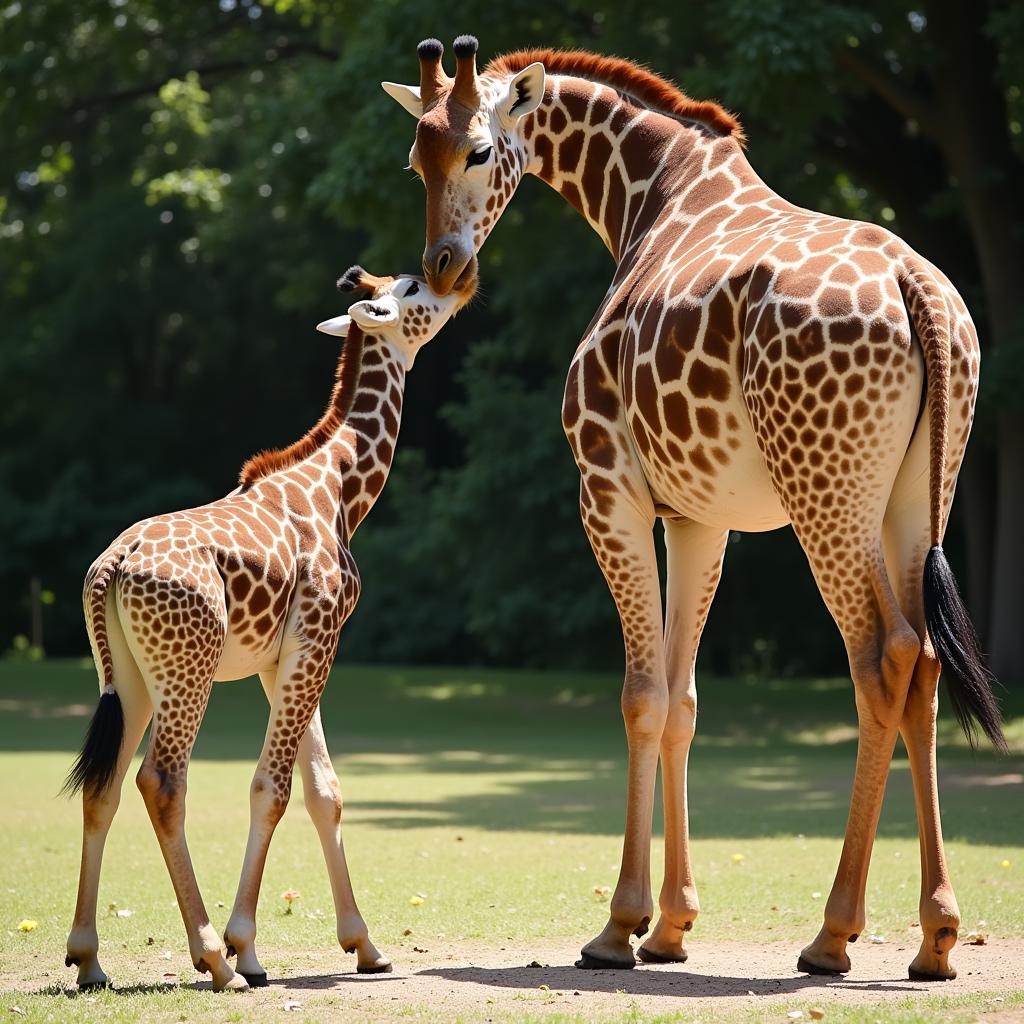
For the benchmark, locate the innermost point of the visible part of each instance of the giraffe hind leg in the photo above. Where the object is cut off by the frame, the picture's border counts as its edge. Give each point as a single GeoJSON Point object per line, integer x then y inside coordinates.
{"type": "Point", "coordinates": [99, 807]}
{"type": "Point", "coordinates": [176, 630]}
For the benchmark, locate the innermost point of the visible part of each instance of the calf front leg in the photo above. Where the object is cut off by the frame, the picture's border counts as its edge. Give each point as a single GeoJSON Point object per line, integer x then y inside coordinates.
{"type": "Point", "coordinates": [321, 793]}
{"type": "Point", "coordinates": [301, 675]}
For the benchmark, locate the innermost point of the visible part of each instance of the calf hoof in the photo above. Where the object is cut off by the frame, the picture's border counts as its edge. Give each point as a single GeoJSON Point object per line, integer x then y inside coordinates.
{"type": "Point", "coordinates": [93, 986]}
{"type": "Point", "coordinates": [589, 962]}
{"type": "Point", "coordinates": [255, 980]}
{"type": "Point", "coordinates": [236, 983]}
{"type": "Point", "coordinates": [650, 957]}
{"type": "Point", "coordinates": [384, 968]}
{"type": "Point", "coordinates": [805, 966]}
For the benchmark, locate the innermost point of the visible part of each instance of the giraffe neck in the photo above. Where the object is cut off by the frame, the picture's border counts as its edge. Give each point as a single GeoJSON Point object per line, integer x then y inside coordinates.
{"type": "Point", "coordinates": [368, 436]}
{"type": "Point", "coordinates": [616, 161]}
{"type": "Point", "coordinates": [345, 458]}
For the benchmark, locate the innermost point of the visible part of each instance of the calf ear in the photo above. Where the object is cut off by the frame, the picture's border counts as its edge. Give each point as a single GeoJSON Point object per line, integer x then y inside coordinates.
{"type": "Point", "coordinates": [407, 95]}
{"type": "Point", "coordinates": [525, 92]}
{"type": "Point", "coordinates": [338, 326]}
{"type": "Point", "coordinates": [372, 314]}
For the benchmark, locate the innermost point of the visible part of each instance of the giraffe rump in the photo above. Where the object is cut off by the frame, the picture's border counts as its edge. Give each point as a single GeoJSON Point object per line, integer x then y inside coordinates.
{"type": "Point", "coordinates": [628, 77]}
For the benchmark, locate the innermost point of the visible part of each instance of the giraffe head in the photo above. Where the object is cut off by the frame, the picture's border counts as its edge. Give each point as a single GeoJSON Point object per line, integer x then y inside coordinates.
{"type": "Point", "coordinates": [402, 310]}
{"type": "Point", "coordinates": [468, 151]}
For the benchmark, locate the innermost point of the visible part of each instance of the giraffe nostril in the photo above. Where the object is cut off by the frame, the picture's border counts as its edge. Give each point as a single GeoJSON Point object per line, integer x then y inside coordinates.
{"type": "Point", "coordinates": [443, 259]}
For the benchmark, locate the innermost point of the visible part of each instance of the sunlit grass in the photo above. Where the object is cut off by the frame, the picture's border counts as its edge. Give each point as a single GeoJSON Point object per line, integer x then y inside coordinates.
{"type": "Point", "coordinates": [499, 797]}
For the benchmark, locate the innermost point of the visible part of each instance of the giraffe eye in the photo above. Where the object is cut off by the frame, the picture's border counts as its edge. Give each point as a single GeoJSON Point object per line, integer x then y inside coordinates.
{"type": "Point", "coordinates": [412, 289]}
{"type": "Point", "coordinates": [481, 156]}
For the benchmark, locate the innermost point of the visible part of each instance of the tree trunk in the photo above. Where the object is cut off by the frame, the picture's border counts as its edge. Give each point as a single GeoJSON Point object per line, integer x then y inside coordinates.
{"type": "Point", "coordinates": [1006, 643]}
{"type": "Point", "coordinates": [976, 494]}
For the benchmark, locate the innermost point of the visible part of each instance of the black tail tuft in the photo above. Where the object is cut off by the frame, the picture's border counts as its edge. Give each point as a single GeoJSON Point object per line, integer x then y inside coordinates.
{"type": "Point", "coordinates": [967, 678]}
{"type": "Point", "coordinates": [96, 765]}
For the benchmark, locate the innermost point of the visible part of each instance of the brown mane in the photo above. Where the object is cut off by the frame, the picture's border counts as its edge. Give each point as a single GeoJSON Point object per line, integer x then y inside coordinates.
{"type": "Point", "coordinates": [625, 76]}
{"type": "Point", "coordinates": [264, 463]}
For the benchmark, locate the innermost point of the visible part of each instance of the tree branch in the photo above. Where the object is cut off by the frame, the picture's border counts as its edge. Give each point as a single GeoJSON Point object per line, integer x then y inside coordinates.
{"type": "Point", "coordinates": [284, 52]}
{"type": "Point", "coordinates": [889, 89]}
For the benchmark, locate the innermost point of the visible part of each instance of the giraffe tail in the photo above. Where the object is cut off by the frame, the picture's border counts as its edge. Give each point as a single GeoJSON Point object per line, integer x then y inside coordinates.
{"type": "Point", "coordinates": [96, 765]}
{"type": "Point", "coordinates": [968, 679]}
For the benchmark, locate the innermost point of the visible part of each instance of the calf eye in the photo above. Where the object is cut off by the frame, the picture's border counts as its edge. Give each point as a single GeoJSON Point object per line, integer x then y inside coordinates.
{"type": "Point", "coordinates": [481, 156]}
{"type": "Point", "coordinates": [412, 289]}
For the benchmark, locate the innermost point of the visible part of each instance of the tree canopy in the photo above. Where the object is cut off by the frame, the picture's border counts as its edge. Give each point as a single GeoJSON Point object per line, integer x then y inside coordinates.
{"type": "Point", "coordinates": [180, 184]}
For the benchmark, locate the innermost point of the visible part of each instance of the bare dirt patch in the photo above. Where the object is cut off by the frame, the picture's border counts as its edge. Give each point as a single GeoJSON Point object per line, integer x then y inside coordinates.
{"type": "Point", "coordinates": [473, 981]}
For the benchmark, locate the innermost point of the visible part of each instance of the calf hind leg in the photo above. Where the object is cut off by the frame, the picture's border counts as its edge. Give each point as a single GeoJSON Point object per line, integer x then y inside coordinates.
{"type": "Point", "coordinates": [98, 810]}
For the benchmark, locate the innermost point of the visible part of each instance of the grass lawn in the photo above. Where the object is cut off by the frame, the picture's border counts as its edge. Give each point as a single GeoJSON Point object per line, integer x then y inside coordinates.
{"type": "Point", "coordinates": [497, 796]}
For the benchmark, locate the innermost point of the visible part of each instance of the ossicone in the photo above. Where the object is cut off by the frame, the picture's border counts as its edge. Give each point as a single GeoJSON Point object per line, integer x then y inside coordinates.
{"type": "Point", "coordinates": [353, 279]}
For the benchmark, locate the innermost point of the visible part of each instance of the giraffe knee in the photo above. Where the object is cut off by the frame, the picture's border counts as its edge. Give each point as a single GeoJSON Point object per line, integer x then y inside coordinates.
{"type": "Point", "coordinates": [644, 704]}
{"type": "Point", "coordinates": [163, 792]}
{"type": "Point", "coordinates": [322, 798]}
{"type": "Point", "coordinates": [269, 795]}
{"type": "Point", "coordinates": [681, 722]}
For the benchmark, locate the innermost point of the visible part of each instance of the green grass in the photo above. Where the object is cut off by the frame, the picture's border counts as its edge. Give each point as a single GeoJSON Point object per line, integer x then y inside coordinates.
{"type": "Point", "coordinates": [498, 795]}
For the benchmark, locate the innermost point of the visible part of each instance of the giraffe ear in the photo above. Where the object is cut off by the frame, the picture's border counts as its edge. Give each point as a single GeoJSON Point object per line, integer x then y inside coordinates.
{"type": "Point", "coordinates": [338, 326]}
{"type": "Point", "coordinates": [525, 92]}
{"type": "Point", "coordinates": [373, 314]}
{"type": "Point", "coordinates": [407, 95]}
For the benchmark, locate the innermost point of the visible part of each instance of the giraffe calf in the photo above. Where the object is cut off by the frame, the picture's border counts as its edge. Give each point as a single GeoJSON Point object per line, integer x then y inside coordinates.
{"type": "Point", "coordinates": [259, 582]}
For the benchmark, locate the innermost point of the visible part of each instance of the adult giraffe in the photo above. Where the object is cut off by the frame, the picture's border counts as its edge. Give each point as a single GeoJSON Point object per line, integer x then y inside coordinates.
{"type": "Point", "coordinates": [752, 364]}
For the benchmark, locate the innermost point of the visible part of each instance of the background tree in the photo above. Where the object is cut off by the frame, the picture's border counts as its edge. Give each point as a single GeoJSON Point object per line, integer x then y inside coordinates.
{"type": "Point", "coordinates": [181, 183]}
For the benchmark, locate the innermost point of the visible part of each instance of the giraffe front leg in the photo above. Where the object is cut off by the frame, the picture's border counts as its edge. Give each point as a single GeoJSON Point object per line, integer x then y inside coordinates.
{"type": "Point", "coordinates": [322, 796]}
{"type": "Point", "coordinates": [295, 693]}
{"type": "Point", "coordinates": [621, 534]}
{"type": "Point", "coordinates": [694, 562]}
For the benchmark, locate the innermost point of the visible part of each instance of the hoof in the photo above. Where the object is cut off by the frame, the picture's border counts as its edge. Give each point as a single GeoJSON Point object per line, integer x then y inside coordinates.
{"type": "Point", "coordinates": [587, 962]}
{"type": "Point", "coordinates": [255, 980]}
{"type": "Point", "coordinates": [916, 975]}
{"type": "Point", "coordinates": [94, 986]}
{"type": "Point", "coordinates": [375, 969]}
{"type": "Point", "coordinates": [236, 983]}
{"type": "Point", "coordinates": [649, 957]}
{"type": "Point", "coordinates": [804, 966]}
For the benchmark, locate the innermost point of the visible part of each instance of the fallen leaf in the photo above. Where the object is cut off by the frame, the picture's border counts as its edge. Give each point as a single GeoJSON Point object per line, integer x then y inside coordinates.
{"type": "Point", "coordinates": [602, 891]}
{"type": "Point", "coordinates": [125, 913]}
{"type": "Point", "coordinates": [26, 925]}
{"type": "Point", "coordinates": [420, 949]}
{"type": "Point", "coordinates": [975, 939]}
{"type": "Point", "coordinates": [815, 895]}
{"type": "Point", "coordinates": [408, 931]}
{"type": "Point", "coordinates": [876, 939]}
{"type": "Point", "coordinates": [291, 1005]}
{"type": "Point", "coordinates": [738, 858]}
{"type": "Point", "coordinates": [816, 1012]}
{"type": "Point", "coordinates": [795, 1014]}
{"type": "Point", "coordinates": [416, 901]}
{"type": "Point", "coordinates": [18, 1010]}
{"type": "Point", "coordinates": [150, 941]}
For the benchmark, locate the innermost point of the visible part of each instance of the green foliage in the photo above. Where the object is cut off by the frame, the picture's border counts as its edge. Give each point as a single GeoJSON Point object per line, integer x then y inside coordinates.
{"type": "Point", "coordinates": [179, 186]}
